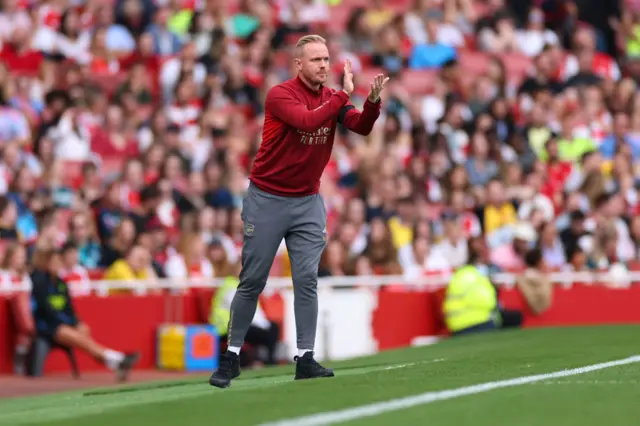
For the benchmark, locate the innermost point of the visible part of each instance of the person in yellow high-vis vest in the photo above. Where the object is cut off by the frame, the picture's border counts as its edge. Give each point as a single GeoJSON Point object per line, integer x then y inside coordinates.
{"type": "Point", "coordinates": [471, 300]}
{"type": "Point", "coordinates": [262, 332]}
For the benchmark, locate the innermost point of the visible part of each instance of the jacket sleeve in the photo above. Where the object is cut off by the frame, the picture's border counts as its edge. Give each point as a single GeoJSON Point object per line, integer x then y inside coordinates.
{"type": "Point", "coordinates": [281, 103]}
{"type": "Point", "coordinates": [41, 297]}
{"type": "Point", "coordinates": [360, 122]}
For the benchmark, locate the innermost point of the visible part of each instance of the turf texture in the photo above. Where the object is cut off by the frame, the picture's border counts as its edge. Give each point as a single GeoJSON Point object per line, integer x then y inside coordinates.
{"type": "Point", "coordinates": [605, 397]}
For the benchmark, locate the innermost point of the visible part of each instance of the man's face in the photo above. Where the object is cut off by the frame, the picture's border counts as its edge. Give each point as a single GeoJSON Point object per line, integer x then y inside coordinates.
{"type": "Point", "coordinates": [313, 63]}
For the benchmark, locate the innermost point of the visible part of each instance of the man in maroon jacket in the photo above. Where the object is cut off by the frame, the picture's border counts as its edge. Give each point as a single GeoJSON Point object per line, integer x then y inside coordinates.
{"type": "Point", "coordinates": [283, 200]}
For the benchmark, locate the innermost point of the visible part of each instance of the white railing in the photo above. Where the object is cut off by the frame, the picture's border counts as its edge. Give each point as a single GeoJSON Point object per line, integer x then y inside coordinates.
{"type": "Point", "coordinates": [615, 278]}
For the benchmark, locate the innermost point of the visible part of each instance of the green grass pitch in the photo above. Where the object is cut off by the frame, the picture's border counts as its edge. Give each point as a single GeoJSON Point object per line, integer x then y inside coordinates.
{"type": "Point", "coordinates": [605, 397]}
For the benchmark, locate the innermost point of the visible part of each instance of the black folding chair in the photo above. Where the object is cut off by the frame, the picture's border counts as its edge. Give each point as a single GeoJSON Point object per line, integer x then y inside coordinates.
{"type": "Point", "coordinates": [40, 350]}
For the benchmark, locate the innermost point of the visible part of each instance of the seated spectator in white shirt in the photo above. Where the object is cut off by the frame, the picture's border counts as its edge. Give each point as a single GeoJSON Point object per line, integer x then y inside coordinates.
{"type": "Point", "coordinates": [190, 261]}
{"type": "Point", "coordinates": [173, 68]}
{"type": "Point", "coordinates": [419, 258]}
{"type": "Point", "coordinates": [534, 37]}
{"type": "Point", "coordinates": [553, 251]}
{"type": "Point", "coordinates": [454, 247]}
{"type": "Point", "coordinates": [307, 11]}
{"type": "Point", "coordinates": [499, 38]}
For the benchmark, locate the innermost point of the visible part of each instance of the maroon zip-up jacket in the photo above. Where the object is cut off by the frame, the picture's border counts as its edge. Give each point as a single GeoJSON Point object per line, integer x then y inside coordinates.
{"type": "Point", "coordinates": [298, 133]}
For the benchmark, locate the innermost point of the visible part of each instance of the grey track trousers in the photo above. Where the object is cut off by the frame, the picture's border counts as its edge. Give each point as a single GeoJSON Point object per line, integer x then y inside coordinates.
{"type": "Point", "coordinates": [267, 219]}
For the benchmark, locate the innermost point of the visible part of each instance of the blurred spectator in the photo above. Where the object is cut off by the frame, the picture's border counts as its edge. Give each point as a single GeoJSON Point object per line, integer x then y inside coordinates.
{"type": "Point", "coordinates": [190, 260]}
{"type": "Point", "coordinates": [13, 16]}
{"type": "Point", "coordinates": [75, 275]}
{"type": "Point", "coordinates": [535, 37]}
{"type": "Point", "coordinates": [135, 124]}
{"type": "Point", "coordinates": [381, 251]}
{"type": "Point", "coordinates": [378, 15]}
{"type": "Point", "coordinates": [135, 265]}
{"type": "Point", "coordinates": [534, 285]}
{"type": "Point", "coordinates": [119, 244]}
{"type": "Point", "coordinates": [15, 279]}
{"type": "Point", "coordinates": [454, 245]}
{"type": "Point", "coordinates": [401, 225]}
{"type": "Point", "coordinates": [501, 36]}
{"type": "Point", "coordinates": [184, 65]}
{"type": "Point", "coordinates": [332, 262]}
{"type": "Point", "coordinates": [553, 252]}
{"type": "Point", "coordinates": [8, 219]}
{"type": "Point", "coordinates": [358, 37]}
{"type": "Point", "coordinates": [82, 234]}
{"type": "Point", "coordinates": [511, 256]}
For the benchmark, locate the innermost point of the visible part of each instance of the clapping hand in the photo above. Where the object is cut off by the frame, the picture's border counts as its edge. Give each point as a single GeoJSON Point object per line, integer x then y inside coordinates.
{"type": "Point", "coordinates": [376, 87]}
{"type": "Point", "coordinates": [347, 83]}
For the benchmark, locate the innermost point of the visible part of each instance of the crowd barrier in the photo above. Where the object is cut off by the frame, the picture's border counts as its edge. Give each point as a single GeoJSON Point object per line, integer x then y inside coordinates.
{"type": "Point", "coordinates": [358, 315]}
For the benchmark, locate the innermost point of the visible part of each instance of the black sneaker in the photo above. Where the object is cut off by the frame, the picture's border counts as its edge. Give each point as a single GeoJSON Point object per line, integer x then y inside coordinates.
{"type": "Point", "coordinates": [228, 370]}
{"type": "Point", "coordinates": [126, 365]}
{"type": "Point", "coordinates": [308, 368]}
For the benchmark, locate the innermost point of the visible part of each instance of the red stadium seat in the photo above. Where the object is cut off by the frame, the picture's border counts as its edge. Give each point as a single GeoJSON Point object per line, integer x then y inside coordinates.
{"type": "Point", "coordinates": [517, 66]}
{"type": "Point", "coordinates": [364, 78]}
{"type": "Point", "coordinates": [339, 18]}
{"type": "Point", "coordinates": [418, 81]}
{"type": "Point", "coordinates": [473, 63]}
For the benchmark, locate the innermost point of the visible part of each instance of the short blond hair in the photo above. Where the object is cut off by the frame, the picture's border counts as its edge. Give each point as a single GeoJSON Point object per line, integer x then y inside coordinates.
{"type": "Point", "coordinates": [304, 40]}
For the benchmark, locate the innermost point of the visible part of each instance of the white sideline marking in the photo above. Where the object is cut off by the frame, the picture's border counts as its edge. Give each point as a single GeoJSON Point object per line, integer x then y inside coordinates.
{"type": "Point", "coordinates": [410, 364]}
{"type": "Point", "coordinates": [592, 382]}
{"type": "Point", "coordinates": [369, 410]}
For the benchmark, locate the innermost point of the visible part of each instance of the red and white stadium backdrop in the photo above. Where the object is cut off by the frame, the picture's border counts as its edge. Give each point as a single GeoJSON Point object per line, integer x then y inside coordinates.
{"type": "Point", "coordinates": [352, 322]}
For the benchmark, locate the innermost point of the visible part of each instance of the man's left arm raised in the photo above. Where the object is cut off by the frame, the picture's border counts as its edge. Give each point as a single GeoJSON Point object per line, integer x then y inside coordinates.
{"type": "Point", "coordinates": [362, 122]}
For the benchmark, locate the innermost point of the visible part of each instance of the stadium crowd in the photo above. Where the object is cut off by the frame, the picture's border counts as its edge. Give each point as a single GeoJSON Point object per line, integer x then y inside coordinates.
{"type": "Point", "coordinates": [128, 127]}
